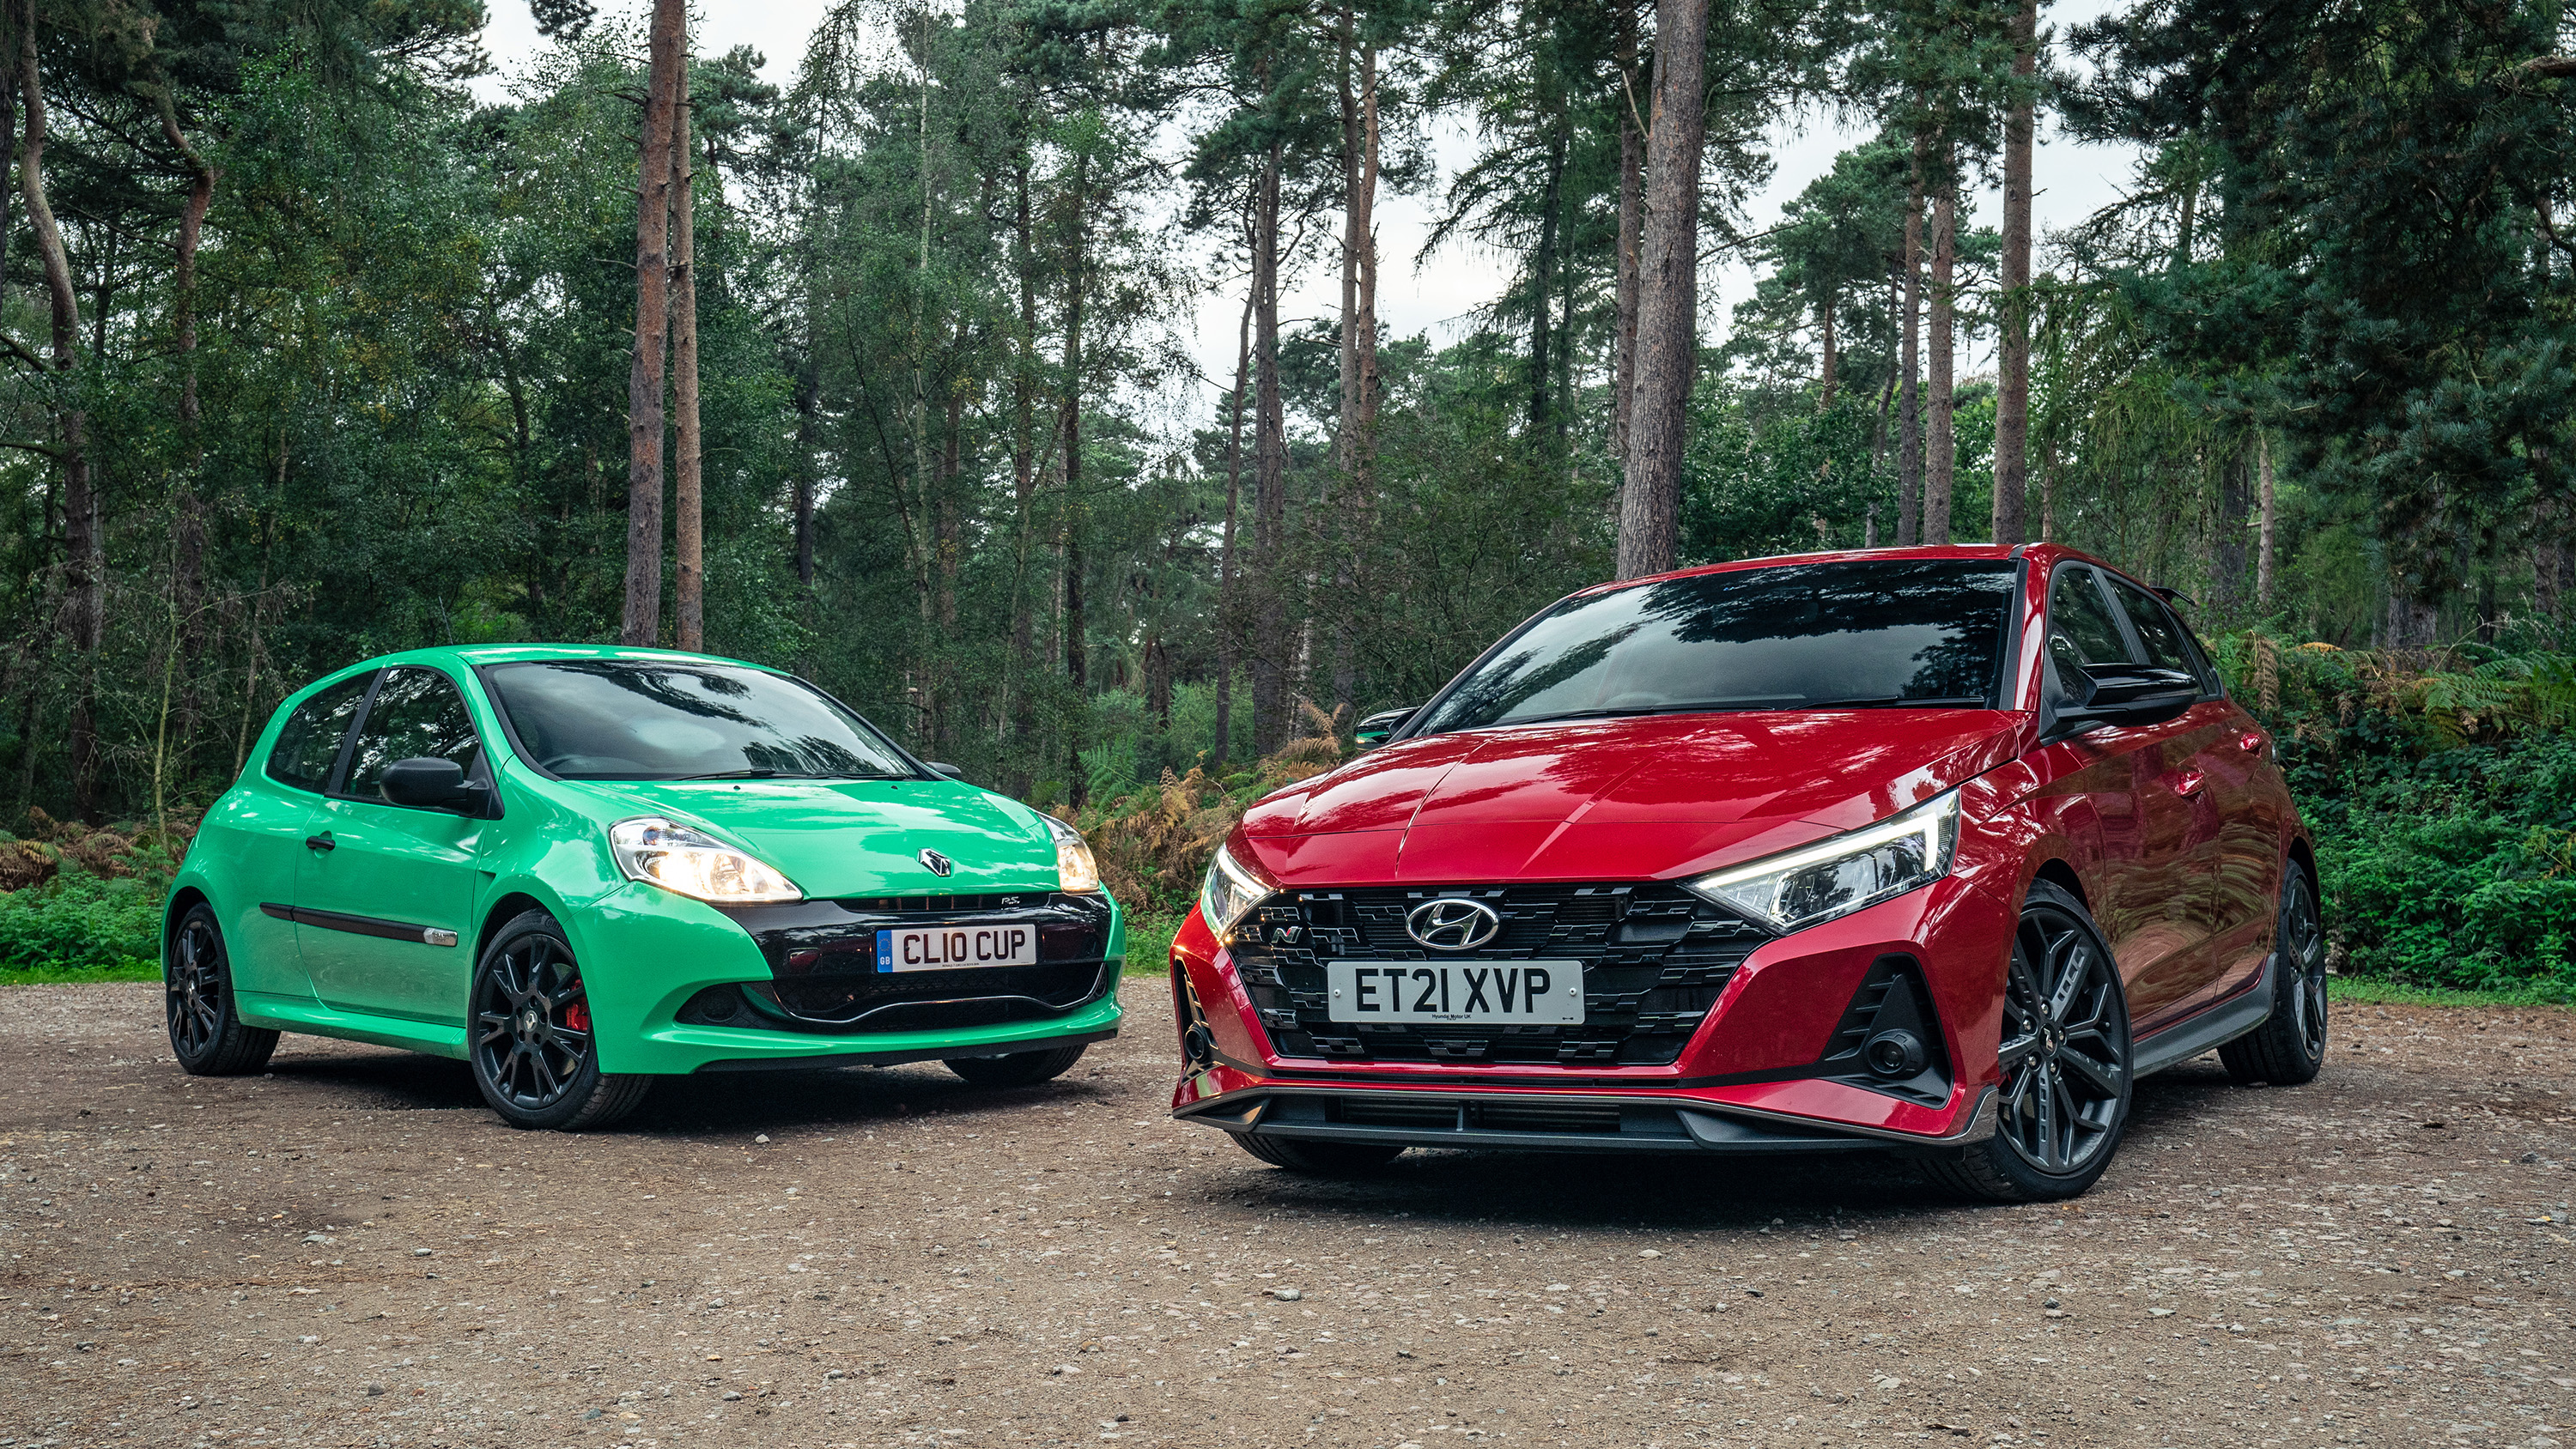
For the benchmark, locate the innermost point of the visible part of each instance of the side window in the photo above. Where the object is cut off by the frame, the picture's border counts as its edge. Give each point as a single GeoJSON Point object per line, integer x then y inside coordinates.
{"type": "Point", "coordinates": [2081, 631]}
{"type": "Point", "coordinates": [2157, 631]}
{"type": "Point", "coordinates": [2168, 642]}
{"type": "Point", "coordinates": [310, 744]}
{"type": "Point", "coordinates": [416, 714]}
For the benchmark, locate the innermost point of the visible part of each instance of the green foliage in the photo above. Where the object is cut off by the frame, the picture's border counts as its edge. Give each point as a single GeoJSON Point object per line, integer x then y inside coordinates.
{"type": "Point", "coordinates": [81, 923]}
{"type": "Point", "coordinates": [2442, 792]}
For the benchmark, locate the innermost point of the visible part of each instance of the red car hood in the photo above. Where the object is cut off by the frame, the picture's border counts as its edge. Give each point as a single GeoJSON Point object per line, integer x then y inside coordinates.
{"type": "Point", "coordinates": [1632, 799]}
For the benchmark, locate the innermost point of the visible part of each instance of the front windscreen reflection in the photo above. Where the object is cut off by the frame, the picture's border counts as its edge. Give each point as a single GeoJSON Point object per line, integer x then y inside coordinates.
{"type": "Point", "coordinates": [1895, 633]}
{"type": "Point", "coordinates": [628, 719]}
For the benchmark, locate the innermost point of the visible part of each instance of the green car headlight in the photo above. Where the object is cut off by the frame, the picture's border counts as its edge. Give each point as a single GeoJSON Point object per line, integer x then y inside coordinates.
{"type": "Point", "coordinates": [693, 863]}
{"type": "Point", "coordinates": [1836, 877]}
{"type": "Point", "coordinates": [1075, 870]}
{"type": "Point", "coordinates": [1229, 893]}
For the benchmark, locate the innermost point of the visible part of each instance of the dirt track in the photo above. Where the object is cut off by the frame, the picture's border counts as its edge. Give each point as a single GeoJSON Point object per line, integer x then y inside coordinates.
{"type": "Point", "coordinates": [350, 1251]}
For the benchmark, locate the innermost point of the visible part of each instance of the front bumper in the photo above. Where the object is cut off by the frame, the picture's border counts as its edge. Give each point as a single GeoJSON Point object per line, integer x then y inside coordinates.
{"type": "Point", "coordinates": [647, 953]}
{"type": "Point", "coordinates": [1762, 1072]}
{"type": "Point", "coordinates": [1550, 1122]}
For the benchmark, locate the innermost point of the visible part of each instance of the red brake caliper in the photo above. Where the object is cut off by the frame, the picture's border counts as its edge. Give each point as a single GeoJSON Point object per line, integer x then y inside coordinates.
{"type": "Point", "coordinates": [577, 1016]}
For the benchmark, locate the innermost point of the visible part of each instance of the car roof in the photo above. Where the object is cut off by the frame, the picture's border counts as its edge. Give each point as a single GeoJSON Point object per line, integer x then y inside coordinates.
{"type": "Point", "coordinates": [1992, 552]}
{"type": "Point", "coordinates": [474, 655]}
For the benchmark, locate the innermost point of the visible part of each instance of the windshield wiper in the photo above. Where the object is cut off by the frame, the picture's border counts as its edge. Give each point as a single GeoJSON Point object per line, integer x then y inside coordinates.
{"type": "Point", "coordinates": [763, 774]}
{"type": "Point", "coordinates": [1674, 707]}
{"type": "Point", "coordinates": [1899, 701]}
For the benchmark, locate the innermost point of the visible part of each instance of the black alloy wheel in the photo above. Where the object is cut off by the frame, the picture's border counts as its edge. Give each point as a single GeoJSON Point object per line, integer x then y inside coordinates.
{"type": "Point", "coordinates": [206, 1033]}
{"type": "Point", "coordinates": [534, 1055]}
{"type": "Point", "coordinates": [2290, 1046]}
{"type": "Point", "coordinates": [2064, 1100]}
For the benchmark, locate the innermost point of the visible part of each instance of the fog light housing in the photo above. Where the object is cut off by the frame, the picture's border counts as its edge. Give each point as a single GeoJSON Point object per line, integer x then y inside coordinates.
{"type": "Point", "coordinates": [1895, 1054]}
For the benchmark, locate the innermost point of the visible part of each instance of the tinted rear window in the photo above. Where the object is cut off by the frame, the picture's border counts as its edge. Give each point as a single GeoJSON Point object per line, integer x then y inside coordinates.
{"type": "Point", "coordinates": [1924, 633]}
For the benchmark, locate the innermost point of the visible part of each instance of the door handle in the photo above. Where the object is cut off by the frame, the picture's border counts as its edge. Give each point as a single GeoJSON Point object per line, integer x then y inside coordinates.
{"type": "Point", "coordinates": [322, 841]}
{"type": "Point", "coordinates": [2188, 783]}
{"type": "Point", "coordinates": [2252, 742]}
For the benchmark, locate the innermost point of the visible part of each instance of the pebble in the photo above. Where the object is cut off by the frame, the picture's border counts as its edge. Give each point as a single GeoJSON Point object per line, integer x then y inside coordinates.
{"type": "Point", "coordinates": [1286, 1295]}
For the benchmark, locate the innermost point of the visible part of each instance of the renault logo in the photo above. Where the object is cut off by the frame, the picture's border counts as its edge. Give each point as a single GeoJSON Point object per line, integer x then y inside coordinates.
{"type": "Point", "coordinates": [1452, 924]}
{"type": "Point", "coordinates": [935, 863]}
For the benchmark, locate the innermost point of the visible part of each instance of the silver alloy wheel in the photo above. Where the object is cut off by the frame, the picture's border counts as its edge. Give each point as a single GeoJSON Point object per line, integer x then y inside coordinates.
{"type": "Point", "coordinates": [2065, 1051]}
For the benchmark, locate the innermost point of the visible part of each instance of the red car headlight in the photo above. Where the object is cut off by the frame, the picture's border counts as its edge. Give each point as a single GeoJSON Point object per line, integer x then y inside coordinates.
{"type": "Point", "coordinates": [1836, 877]}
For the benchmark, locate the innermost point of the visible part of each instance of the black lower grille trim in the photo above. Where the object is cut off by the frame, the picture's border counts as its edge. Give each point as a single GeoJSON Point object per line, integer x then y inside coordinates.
{"type": "Point", "coordinates": [823, 976]}
{"type": "Point", "coordinates": [1655, 959]}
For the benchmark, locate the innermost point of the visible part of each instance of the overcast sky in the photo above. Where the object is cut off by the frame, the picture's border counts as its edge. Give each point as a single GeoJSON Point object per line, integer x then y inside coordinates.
{"type": "Point", "coordinates": [2074, 179]}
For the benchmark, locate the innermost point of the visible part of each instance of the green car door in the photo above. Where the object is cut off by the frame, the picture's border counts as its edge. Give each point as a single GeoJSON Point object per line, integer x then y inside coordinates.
{"type": "Point", "coordinates": [259, 829]}
{"type": "Point", "coordinates": [384, 893]}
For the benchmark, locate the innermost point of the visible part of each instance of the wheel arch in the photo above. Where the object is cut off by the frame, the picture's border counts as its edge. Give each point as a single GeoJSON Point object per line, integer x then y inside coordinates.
{"type": "Point", "coordinates": [2059, 872]}
{"type": "Point", "coordinates": [2304, 856]}
{"type": "Point", "coordinates": [188, 896]}
{"type": "Point", "coordinates": [507, 907]}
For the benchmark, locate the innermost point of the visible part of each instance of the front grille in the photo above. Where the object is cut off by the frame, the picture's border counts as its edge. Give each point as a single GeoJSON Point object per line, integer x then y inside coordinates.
{"type": "Point", "coordinates": [823, 976]}
{"type": "Point", "coordinates": [1654, 959]}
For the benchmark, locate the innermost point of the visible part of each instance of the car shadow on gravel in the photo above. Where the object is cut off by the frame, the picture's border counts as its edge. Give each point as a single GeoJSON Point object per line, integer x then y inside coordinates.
{"type": "Point", "coordinates": [387, 1081]}
{"type": "Point", "coordinates": [753, 1102]}
{"type": "Point", "coordinates": [1579, 1192]}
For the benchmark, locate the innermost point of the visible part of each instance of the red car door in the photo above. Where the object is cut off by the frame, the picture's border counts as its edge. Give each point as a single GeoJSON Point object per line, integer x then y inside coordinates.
{"type": "Point", "coordinates": [2157, 828]}
{"type": "Point", "coordinates": [2240, 858]}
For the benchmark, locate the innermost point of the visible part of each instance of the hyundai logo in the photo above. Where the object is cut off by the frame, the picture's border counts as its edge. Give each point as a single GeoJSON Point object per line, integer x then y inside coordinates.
{"type": "Point", "coordinates": [935, 863]}
{"type": "Point", "coordinates": [1452, 924]}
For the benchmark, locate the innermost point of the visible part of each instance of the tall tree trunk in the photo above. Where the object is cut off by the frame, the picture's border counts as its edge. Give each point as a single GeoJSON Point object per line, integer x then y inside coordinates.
{"type": "Point", "coordinates": [2012, 349]}
{"type": "Point", "coordinates": [1022, 704]}
{"type": "Point", "coordinates": [643, 617]}
{"type": "Point", "coordinates": [809, 402]}
{"type": "Point", "coordinates": [1355, 444]}
{"type": "Point", "coordinates": [1270, 645]}
{"type": "Point", "coordinates": [1668, 295]}
{"type": "Point", "coordinates": [1943, 450]}
{"type": "Point", "coordinates": [1077, 667]}
{"type": "Point", "coordinates": [2227, 538]}
{"type": "Point", "coordinates": [2263, 538]}
{"type": "Point", "coordinates": [928, 686]}
{"type": "Point", "coordinates": [1909, 406]}
{"type": "Point", "coordinates": [688, 492]}
{"type": "Point", "coordinates": [1229, 622]}
{"type": "Point", "coordinates": [1543, 282]}
{"type": "Point", "coordinates": [1825, 324]}
{"type": "Point", "coordinates": [1632, 221]}
{"type": "Point", "coordinates": [2548, 549]}
{"type": "Point", "coordinates": [188, 515]}
{"type": "Point", "coordinates": [84, 534]}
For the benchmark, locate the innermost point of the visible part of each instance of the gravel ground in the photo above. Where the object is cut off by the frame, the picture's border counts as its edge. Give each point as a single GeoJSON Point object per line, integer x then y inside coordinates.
{"type": "Point", "coordinates": [351, 1251]}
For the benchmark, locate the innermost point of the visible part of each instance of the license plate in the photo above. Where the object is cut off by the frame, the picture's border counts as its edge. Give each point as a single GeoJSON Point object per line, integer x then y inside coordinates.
{"type": "Point", "coordinates": [956, 948]}
{"type": "Point", "coordinates": [1476, 993]}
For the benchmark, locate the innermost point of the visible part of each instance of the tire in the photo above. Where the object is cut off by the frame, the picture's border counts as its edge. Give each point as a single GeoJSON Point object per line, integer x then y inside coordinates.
{"type": "Point", "coordinates": [1018, 1069]}
{"type": "Point", "coordinates": [1320, 1159]}
{"type": "Point", "coordinates": [206, 1031]}
{"type": "Point", "coordinates": [2290, 1045]}
{"type": "Point", "coordinates": [2065, 1056]}
{"type": "Point", "coordinates": [529, 1034]}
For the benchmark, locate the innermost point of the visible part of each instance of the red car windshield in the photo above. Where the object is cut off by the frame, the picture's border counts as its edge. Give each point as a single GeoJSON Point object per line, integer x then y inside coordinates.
{"type": "Point", "coordinates": [1892, 633]}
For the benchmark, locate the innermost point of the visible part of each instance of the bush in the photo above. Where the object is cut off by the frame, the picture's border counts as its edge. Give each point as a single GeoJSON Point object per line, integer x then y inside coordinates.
{"type": "Point", "coordinates": [76, 899]}
{"type": "Point", "coordinates": [2441, 786]}
{"type": "Point", "coordinates": [81, 922]}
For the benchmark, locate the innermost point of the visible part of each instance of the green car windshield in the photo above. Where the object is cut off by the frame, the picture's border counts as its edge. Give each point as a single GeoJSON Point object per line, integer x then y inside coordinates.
{"type": "Point", "coordinates": [653, 719]}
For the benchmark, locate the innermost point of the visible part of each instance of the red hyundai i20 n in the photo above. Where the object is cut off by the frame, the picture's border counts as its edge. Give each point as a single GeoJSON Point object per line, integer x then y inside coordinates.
{"type": "Point", "coordinates": [1932, 850]}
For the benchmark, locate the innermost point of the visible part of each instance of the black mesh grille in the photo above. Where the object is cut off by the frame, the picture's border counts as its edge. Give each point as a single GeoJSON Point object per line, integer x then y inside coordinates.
{"type": "Point", "coordinates": [822, 959]}
{"type": "Point", "coordinates": [1654, 959]}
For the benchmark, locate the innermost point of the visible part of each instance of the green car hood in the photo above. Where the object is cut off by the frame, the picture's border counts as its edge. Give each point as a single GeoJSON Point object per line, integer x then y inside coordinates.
{"type": "Point", "coordinates": [856, 837]}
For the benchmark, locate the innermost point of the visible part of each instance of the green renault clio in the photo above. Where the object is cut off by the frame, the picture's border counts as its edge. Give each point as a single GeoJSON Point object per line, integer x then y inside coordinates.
{"type": "Point", "coordinates": [580, 869]}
